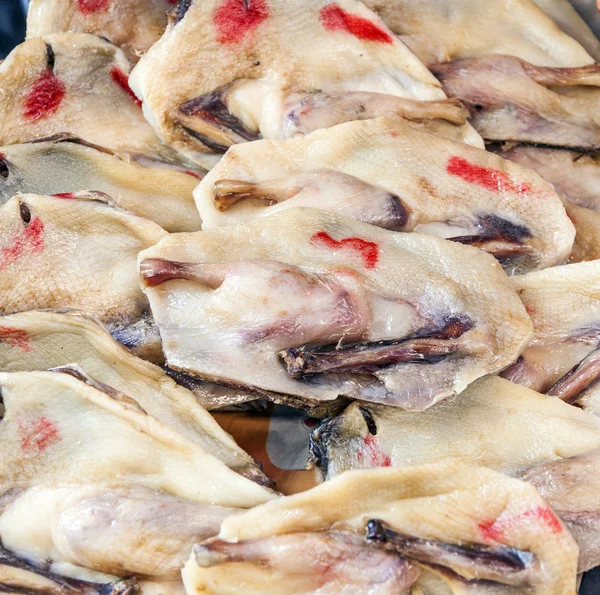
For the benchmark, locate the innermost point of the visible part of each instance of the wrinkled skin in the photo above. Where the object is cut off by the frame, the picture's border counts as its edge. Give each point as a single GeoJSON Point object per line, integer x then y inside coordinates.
{"type": "Point", "coordinates": [94, 487]}
{"type": "Point", "coordinates": [310, 304]}
{"type": "Point", "coordinates": [393, 176]}
{"type": "Point", "coordinates": [512, 100]}
{"type": "Point", "coordinates": [503, 537]}
{"type": "Point", "coordinates": [76, 252]}
{"type": "Point", "coordinates": [494, 423]}
{"type": "Point", "coordinates": [133, 25]}
{"type": "Point", "coordinates": [37, 340]}
{"type": "Point", "coordinates": [66, 164]}
{"type": "Point", "coordinates": [561, 358]}
{"type": "Point", "coordinates": [297, 66]}
{"type": "Point", "coordinates": [76, 83]}
{"type": "Point", "coordinates": [570, 487]}
{"type": "Point", "coordinates": [446, 30]}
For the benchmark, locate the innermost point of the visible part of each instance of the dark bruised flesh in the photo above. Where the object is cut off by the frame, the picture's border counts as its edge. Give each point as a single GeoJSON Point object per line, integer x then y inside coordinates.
{"type": "Point", "coordinates": [584, 375]}
{"type": "Point", "coordinates": [19, 577]}
{"type": "Point", "coordinates": [470, 561]}
{"type": "Point", "coordinates": [367, 358]}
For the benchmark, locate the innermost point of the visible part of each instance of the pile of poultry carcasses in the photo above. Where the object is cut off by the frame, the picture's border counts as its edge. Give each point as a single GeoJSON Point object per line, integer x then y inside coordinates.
{"type": "Point", "coordinates": [383, 213]}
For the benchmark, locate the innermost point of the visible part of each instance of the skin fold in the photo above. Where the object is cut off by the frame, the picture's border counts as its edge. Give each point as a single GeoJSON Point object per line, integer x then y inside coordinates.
{"type": "Point", "coordinates": [129, 499]}
{"type": "Point", "coordinates": [388, 174]}
{"type": "Point", "coordinates": [276, 85]}
{"type": "Point", "coordinates": [317, 286]}
{"type": "Point", "coordinates": [377, 515]}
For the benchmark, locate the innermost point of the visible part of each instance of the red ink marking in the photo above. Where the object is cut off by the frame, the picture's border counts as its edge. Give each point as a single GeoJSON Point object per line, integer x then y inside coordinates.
{"type": "Point", "coordinates": [38, 435]}
{"type": "Point", "coordinates": [66, 195]}
{"type": "Point", "coordinates": [15, 338]}
{"type": "Point", "coordinates": [173, 2]}
{"type": "Point", "coordinates": [490, 179]}
{"type": "Point", "coordinates": [369, 251]}
{"type": "Point", "coordinates": [237, 18]}
{"type": "Point", "coordinates": [335, 18]}
{"type": "Point", "coordinates": [91, 6]}
{"type": "Point", "coordinates": [374, 455]}
{"type": "Point", "coordinates": [31, 236]}
{"type": "Point", "coordinates": [189, 172]}
{"type": "Point", "coordinates": [119, 77]}
{"type": "Point", "coordinates": [45, 97]}
{"type": "Point", "coordinates": [495, 530]}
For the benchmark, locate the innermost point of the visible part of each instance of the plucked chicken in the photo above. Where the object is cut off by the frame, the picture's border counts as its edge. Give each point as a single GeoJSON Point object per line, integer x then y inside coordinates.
{"type": "Point", "coordinates": [80, 252]}
{"type": "Point", "coordinates": [388, 531]}
{"type": "Point", "coordinates": [133, 25]}
{"type": "Point", "coordinates": [76, 83]}
{"type": "Point", "coordinates": [94, 486]}
{"type": "Point", "coordinates": [313, 305]}
{"type": "Point", "coordinates": [391, 175]}
{"type": "Point", "coordinates": [64, 164]}
{"type": "Point", "coordinates": [229, 71]}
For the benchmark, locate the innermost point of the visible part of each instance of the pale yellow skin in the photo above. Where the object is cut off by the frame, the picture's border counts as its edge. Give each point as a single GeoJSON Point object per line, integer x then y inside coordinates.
{"type": "Point", "coordinates": [57, 339]}
{"type": "Point", "coordinates": [416, 279]}
{"type": "Point", "coordinates": [163, 195]}
{"type": "Point", "coordinates": [416, 501]}
{"type": "Point", "coordinates": [289, 51]}
{"type": "Point", "coordinates": [85, 257]}
{"type": "Point", "coordinates": [394, 157]}
{"type": "Point", "coordinates": [447, 30]}
{"type": "Point", "coordinates": [133, 25]}
{"type": "Point", "coordinates": [83, 463]}
{"type": "Point", "coordinates": [94, 106]}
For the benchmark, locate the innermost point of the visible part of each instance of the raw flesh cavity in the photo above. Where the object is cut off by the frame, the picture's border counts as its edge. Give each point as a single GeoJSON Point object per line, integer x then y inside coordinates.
{"type": "Point", "coordinates": [77, 83]}
{"type": "Point", "coordinates": [396, 177]}
{"type": "Point", "coordinates": [65, 164]}
{"type": "Point", "coordinates": [37, 340]}
{"type": "Point", "coordinates": [561, 360]}
{"type": "Point", "coordinates": [313, 305]}
{"type": "Point", "coordinates": [447, 30]}
{"type": "Point", "coordinates": [503, 537]}
{"type": "Point", "coordinates": [76, 252]}
{"type": "Point", "coordinates": [133, 25]}
{"type": "Point", "coordinates": [275, 68]}
{"type": "Point", "coordinates": [495, 423]}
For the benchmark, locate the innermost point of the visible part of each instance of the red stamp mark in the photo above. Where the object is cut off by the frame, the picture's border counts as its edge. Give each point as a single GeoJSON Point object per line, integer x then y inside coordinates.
{"type": "Point", "coordinates": [235, 19]}
{"type": "Point", "coordinates": [490, 179]}
{"type": "Point", "coordinates": [369, 251]}
{"type": "Point", "coordinates": [31, 237]}
{"type": "Point", "coordinates": [65, 195]}
{"type": "Point", "coordinates": [335, 18]}
{"type": "Point", "coordinates": [38, 435]}
{"type": "Point", "coordinates": [92, 6]}
{"type": "Point", "coordinates": [495, 530]}
{"type": "Point", "coordinates": [122, 80]}
{"type": "Point", "coordinates": [44, 98]}
{"type": "Point", "coordinates": [15, 337]}
{"type": "Point", "coordinates": [373, 454]}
